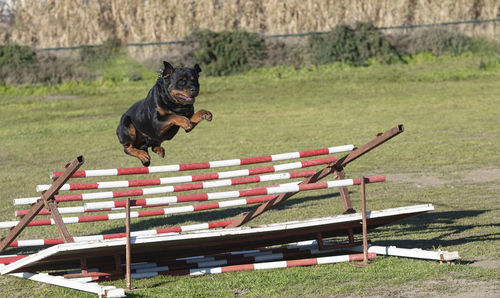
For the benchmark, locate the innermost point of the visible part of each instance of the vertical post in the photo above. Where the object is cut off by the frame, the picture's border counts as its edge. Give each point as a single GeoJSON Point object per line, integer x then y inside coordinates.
{"type": "Point", "coordinates": [344, 192]}
{"type": "Point", "coordinates": [127, 246]}
{"type": "Point", "coordinates": [364, 223]}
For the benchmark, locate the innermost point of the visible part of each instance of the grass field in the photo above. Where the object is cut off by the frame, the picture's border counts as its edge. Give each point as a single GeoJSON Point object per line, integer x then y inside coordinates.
{"type": "Point", "coordinates": [447, 156]}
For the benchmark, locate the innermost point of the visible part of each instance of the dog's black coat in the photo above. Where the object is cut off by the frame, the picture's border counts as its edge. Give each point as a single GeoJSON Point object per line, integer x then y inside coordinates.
{"type": "Point", "coordinates": [167, 107]}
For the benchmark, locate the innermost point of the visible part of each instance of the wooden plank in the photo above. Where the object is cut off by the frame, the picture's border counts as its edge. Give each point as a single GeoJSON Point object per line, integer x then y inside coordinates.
{"type": "Point", "coordinates": [47, 199]}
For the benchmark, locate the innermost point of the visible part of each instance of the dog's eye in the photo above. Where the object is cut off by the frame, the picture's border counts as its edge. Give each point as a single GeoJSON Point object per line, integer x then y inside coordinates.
{"type": "Point", "coordinates": [181, 83]}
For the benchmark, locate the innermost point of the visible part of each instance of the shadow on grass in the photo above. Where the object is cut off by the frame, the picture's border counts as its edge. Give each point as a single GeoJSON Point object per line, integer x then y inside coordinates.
{"type": "Point", "coordinates": [445, 224]}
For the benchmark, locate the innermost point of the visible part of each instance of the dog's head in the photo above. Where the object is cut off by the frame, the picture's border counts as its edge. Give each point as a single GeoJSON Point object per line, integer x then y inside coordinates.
{"type": "Point", "coordinates": [182, 83]}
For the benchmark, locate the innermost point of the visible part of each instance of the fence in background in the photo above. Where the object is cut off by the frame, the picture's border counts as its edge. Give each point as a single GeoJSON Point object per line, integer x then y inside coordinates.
{"type": "Point", "coordinates": [399, 27]}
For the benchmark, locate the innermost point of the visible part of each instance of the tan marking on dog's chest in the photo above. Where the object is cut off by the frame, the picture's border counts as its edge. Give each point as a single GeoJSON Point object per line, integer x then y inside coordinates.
{"type": "Point", "coordinates": [163, 112]}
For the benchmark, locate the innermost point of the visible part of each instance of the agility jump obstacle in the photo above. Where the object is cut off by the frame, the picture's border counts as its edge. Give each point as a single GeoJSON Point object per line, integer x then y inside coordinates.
{"type": "Point", "coordinates": [178, 248]}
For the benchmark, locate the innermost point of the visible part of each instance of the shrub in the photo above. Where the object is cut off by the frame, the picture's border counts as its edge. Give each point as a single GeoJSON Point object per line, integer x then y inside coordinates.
{"type": "Point", "coordinates": [21, 65]}
{"type": "Point", "coordinates": [12, 55]}
{"type": "Point", "coordinates": [223, 53]}
{"type": "Point", "coordinates": [437, 41]}
{"type": "Point", "coordinates": [353, 45]}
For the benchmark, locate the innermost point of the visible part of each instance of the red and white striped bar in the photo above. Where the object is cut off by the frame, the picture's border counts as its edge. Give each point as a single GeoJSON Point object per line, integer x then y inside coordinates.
{"type": "Point", "coordinates": [179, 229]}
{"type": "Point", "coordinates": [266, 255]}
{"type": "Point", "coordinates": [208, 165]}
{"type": "Point", "coordinates": [259, 266]}
{"type": "Point", "coordinates": [191, 178]}
{"type": "Point", "coordinates": [145, 213]}
{"type": "Point", "coordinates": [181, 187]}
{"type": "Point", "coordinates": [70, 210]}
{"type": "Point", "coordinates": [283, 188]}
{"type": "Point", "coordinates": [7, 259]}
{"type": "Point", "coordinates": [210, 225]}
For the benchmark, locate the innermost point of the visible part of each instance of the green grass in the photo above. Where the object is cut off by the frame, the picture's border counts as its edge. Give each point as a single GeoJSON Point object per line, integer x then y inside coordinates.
{"type": "Point", "coordinates": [447, 156]}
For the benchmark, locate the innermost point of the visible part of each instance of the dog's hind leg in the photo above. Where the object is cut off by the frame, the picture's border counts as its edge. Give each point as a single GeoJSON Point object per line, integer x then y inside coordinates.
{"type": "Point", "coordinates": [133, 141]}
{"type": "Point", "coordinates": [158, 149]}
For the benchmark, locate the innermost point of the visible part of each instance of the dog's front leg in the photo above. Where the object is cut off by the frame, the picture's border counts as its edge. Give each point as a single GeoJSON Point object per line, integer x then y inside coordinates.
{"type": "Point", "coordinates": [180, 121]}
{"type": "Point", "coordinates": [198, 116]}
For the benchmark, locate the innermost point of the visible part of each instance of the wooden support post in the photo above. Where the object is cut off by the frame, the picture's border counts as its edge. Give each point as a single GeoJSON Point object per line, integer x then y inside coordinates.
{"type": "Point", "coordinates": [364, 221]}
{"type": "Point", "coordinates": [127, 248]}
{"type": "Point", "coordinates": [83, 264]}
{"type": "Point", "coordinates": [344, 192]}
{"type": "Point", "coordinates": [47, 200]}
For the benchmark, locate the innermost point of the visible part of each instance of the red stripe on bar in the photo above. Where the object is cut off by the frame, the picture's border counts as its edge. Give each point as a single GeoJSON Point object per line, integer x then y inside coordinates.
{"type": "Point", "coordinates": [185, 187]}
{"type": "Point", "coordinates": [8, 260]}
{"type": "Point", "coordinates": [302, 174]}
{"type": "Point", "coordinates": [253, 192]}
{"type": "Point", "coordinates": [373, 179]}
{"type": "Point", "coordinates": [259, 199]}
{"type": "Point", "coordinates": [169, 230]}
{"type": "Point", "coordinates": [219, 224]}
{"type": "Point", "coordinates": [237, 268]}
{"type": "Point", "coordinates": [130, 171]}
{"type": "Point", "coordinates": [82, 186]}
{"type": "Point", "coordinates": [189, 198]}
{"type": "Point", "coordinates": [206, 206]}
{"type": "Point", "coordinates": [25, 211]}
{"type": "Point", "coordinates": [77, 174]}
{"type": "Point", "coordinates": [145, 182]}
{"type": "Point", "coordinates": [251, 160]}
{"type": "Point", "coordinates": [253, 179]}
{"type": "Point", "coordinates": [201, 177]}
{"type": "Point", "coordinates": [114, 236]}
{"type": "Point", "coordinates": [319, 161]}
{"type": "Point", "coordinates": [127, 193]}
{"type": "Point", "coordinates": [308, 153]}
{"type": "Point", "coordinates": [40, 222]}
{"type": "Point", "coordinates": [151, 212]}
{"type": "Point", "coordinates": [53, 241]}
{"type": "Point", "coordinates": [261, 170]}
{"type": "Point", "coordinates": [68, 198]}
{"type": "Point", "coordinates": [302, 262]}
{"type": "Point", "coordinates": [194, 166]}
{"type": "Point", "coordinates": [90, 218]}
{"type": "Point", "coordinates": [311, 186]}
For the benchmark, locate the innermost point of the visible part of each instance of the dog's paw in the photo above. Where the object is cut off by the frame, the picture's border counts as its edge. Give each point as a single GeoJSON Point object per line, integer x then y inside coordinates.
{"type": "Point", "coordinates": [206, 115]}
{"type": "Point", "coordinates": [188, 126]}
{"type": "Point", "coordinates": [144, 157]}
{"type": "Point", "coordinates": [159, 150]}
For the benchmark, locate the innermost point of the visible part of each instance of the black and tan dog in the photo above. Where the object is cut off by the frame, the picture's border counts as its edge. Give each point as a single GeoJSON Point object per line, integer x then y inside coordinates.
{"type": "Point", "coordinates": [167, 107]}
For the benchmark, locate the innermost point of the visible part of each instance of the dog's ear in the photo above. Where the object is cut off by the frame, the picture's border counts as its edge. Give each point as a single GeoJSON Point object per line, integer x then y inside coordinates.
{"type": "Point", "coordinates": [167, 69]}
{"type": "Point", "coordinates": [197, 68]}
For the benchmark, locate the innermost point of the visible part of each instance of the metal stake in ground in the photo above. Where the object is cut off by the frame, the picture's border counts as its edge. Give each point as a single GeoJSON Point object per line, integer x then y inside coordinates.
{"type": "Point", "coordinates": [364, 224]}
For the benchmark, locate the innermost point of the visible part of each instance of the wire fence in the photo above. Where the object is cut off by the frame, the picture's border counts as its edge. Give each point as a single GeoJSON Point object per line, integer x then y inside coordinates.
{"type": "Point", "coordinates": [174, 42]}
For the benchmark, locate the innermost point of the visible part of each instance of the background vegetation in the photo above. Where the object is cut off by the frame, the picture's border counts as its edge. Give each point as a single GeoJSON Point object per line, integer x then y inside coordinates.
{"type": "Point", "coordinates": [223, 53]}
{"type": "Point", "coordinates": [59, 23]}
{"type": "Point", "coordinates": [447, 156]}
